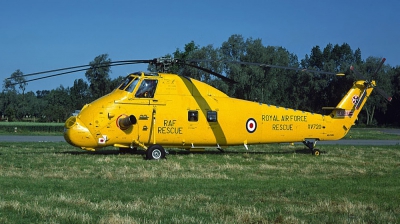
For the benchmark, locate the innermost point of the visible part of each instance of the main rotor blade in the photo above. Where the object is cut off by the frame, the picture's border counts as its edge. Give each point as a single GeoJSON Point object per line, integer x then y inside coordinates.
{"type": "Point", "coordinates": [50, 76]}
{"type": "Point", "coordinates": [208, 71]}
{"type": "Point", "coordinates": [54, 70]}
{"type": "Point", "coordinates": [268, 66]}
{"type": "Point", "coordinates": [114, 63]}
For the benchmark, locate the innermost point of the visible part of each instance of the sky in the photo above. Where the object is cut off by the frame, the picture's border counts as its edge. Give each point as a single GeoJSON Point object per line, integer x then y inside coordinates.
{"type": "Point", "coordinates": [42, 35]}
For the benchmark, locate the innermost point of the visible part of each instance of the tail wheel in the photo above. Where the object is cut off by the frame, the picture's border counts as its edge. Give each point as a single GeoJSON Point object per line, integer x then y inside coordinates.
{"type": "Point", "coordinates": [155, 152]}
{"type": "Point", "coordinates": [316, 152]}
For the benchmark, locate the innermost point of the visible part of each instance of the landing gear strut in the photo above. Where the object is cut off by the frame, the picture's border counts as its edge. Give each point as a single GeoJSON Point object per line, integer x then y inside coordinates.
{"type": "Point", "coordinates": [311, 145]}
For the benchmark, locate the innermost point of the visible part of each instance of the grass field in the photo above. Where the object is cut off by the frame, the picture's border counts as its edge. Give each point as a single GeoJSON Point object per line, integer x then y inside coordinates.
{"type": "Point", "coordinates": [56, 183]}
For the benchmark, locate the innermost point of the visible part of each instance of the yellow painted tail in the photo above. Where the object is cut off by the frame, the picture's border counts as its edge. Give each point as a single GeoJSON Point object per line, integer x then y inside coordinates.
{"type": "Point", "coordinates": [350, 106]}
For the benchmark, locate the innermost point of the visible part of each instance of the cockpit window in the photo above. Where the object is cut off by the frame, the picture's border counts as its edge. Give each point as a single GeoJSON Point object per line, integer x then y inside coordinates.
{"type": "Point", "coordinates": [129, 86]}
{"type": "Point", "coordinates": [125, 83]}
{"type": "Point", "coordinates": [147, 89]}
{"type": "Point", "coordinates": [132, 86]}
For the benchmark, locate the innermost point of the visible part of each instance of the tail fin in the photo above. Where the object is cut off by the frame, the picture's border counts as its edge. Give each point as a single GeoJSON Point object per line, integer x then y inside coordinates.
{"type": "Point", "coordinates": [352, 103]}
{"type": "Point", "coordinates": [347, 111]}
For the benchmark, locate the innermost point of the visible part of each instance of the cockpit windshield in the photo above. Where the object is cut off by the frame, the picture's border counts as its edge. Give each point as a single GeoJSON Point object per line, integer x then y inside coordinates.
{"type": "Point", "coordinates": [129, 85]}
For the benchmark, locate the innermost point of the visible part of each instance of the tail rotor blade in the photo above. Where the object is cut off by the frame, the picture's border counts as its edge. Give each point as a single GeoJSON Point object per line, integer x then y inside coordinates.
{"type": "Point", "coordinates": [379, 90]}
{"type": "Point", "coordinates": [384, 94]}
{"type": "Point", "coordinates": [378, 68]}
{"type": "Point", "coordinates": [357, 73]}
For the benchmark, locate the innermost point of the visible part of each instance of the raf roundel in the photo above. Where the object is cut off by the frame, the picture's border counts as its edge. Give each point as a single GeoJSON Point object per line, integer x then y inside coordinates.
{"type": "Point", "coordinates": [355, 99]}
{"type": "Point", "coordinates": [251, 125]}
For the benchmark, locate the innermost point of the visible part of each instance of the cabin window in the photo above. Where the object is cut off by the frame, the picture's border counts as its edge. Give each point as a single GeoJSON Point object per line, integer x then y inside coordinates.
{"type": "Point", "coordinates": [193, 115]}
{"type": "Point", "coordinates": [147, 88]}
{"type": "Point", "coordinates": [212, 116]}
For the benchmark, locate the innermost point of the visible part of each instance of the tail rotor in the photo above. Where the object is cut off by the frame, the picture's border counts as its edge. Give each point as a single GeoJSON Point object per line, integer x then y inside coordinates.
{"type": "Point", "coordinates": [370, 82]}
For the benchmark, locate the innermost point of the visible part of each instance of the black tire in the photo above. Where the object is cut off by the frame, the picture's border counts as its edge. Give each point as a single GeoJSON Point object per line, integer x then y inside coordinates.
{"type": "Point", "coordinates": [155, 152]}
{"type": "Point", "coordinates": [316, 152]}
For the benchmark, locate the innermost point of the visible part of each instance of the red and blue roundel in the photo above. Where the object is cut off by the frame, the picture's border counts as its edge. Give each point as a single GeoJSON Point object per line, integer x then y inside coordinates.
{"type": "Point", "coordinates": [251, 125]}
{"type": "Point", "coordinates": [355, 99]}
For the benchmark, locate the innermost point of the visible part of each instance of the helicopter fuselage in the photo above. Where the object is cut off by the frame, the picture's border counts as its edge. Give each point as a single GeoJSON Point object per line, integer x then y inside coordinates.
{"type": "Point", "coordinates": [175, 111]}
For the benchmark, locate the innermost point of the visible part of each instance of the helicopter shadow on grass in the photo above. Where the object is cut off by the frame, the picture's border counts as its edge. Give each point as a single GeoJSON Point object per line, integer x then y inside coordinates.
{"type": "Point", "coordinates": [228, 152]}
{"type": "Point", "coordinates": [103, 152]}
{"type": "Point", "coordinates": [173, 152]}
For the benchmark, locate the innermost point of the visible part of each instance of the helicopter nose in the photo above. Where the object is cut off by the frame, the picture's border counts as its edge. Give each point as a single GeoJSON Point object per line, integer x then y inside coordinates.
{"type": "Point", "coordinates": [77, 134]}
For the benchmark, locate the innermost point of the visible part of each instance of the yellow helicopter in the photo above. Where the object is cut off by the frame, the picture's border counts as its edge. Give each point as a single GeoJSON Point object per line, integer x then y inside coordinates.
{"type": "Point", "coordinates": [155, 110]}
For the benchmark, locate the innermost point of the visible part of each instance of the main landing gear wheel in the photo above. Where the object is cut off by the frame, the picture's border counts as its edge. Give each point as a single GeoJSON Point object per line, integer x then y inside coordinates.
{"type": "Point", "coordinates": [316, 152]}
{"type": "Point", "coordinates": [311, 145]}
{"type": "Point", "coordinates": [155, 152]}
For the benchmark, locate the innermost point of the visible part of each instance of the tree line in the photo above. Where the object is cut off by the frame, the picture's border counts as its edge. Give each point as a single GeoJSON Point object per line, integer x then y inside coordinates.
{"type": "Point", "coordinates": [286, 88]}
